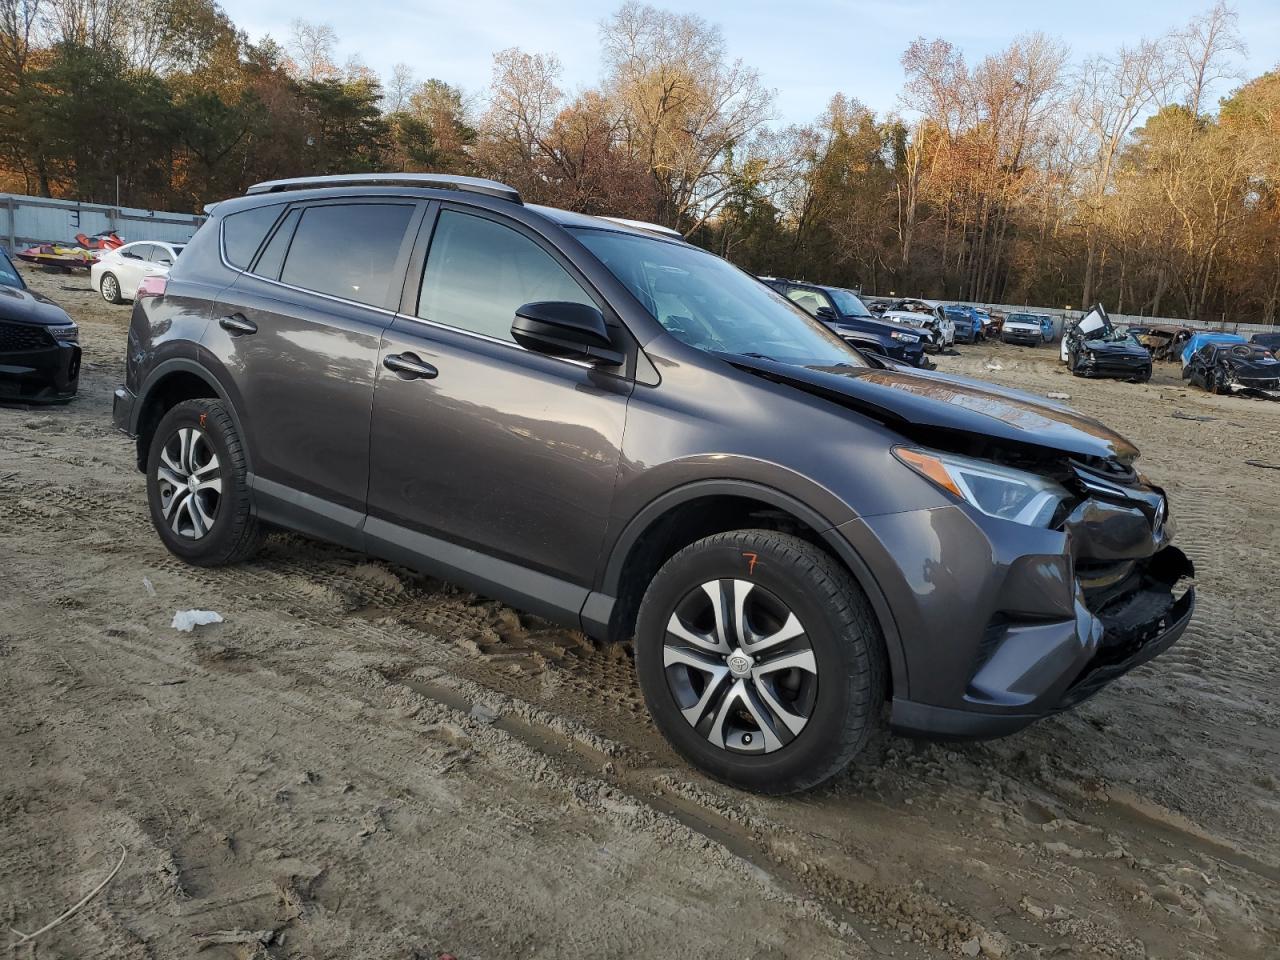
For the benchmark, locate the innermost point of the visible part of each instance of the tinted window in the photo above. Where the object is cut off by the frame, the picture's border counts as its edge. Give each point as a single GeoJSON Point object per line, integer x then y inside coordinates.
{"type": "Point", "coordinates": [135, 251]}
{"type": "Point", "coordinates": [272, 258]}
{"type": "Point", "coordinates": [160, 254]}
{"type": "Point", "coordinates": [811, 301]}
{"type": "Point", "coordinates": [348, 250]}
{"type": "Point", "coordinates": [478, 272]}
{"type": "Point", "coordinates": [243, 233]}
{"type": "Point", "coordinates": [8, 275]}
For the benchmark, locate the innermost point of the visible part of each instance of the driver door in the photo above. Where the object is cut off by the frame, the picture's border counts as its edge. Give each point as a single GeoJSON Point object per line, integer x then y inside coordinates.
{"type": "Point", "coordinates": [492, 461]}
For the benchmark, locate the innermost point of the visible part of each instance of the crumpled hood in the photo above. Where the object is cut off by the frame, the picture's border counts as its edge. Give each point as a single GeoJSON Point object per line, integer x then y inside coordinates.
{"type": "Point", "coordinates": [946, 402]}
{"type": "Point", "coordinates": [29, 307]}
{"type": "Point", "coordinates": [1125, 347]}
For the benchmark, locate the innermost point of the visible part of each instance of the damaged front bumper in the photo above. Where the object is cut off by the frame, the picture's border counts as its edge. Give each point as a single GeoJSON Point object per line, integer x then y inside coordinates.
{"type": "Point", "coordinates": [1002, 624]}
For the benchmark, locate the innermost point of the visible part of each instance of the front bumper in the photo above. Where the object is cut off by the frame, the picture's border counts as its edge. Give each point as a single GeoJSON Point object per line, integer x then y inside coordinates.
{"type": "Point", "coordinates": [1120, 368]}
{"type": "Point", "coordinates": [1000, 625]}
{"type": "Point", "coordinates": [47, 374]}
{"type": "Point", "coordinates": [1030, 337]}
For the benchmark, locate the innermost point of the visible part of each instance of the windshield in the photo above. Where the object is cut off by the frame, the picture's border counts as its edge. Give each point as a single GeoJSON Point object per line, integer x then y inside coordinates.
{"type": "Point", "coordinates": [710, 304]}
{"type": "Point", "coordinates": [848, 303]}
{"type": "Point", "coordinates": [1035, 318]}
{"type": "Point", "coordinates": [8, 275]}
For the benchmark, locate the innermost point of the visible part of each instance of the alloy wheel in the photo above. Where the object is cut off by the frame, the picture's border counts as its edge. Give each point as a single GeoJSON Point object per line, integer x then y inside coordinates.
{"type": "Point", "coordinates": [740, 667]}
{"type": "Point", "coordinates": [110, 289]}
{"type": "Point", "coordinates": [189, 479]}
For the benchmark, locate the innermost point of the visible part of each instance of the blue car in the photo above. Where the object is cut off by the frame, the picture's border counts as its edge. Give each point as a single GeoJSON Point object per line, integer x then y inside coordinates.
{"type": "Point", "coordinates": [1198, 340]}
{"type": "Point", "coordinates": [967, 322]}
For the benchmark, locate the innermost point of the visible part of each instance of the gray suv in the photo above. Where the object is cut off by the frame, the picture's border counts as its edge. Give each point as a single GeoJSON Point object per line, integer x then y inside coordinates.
{"type": "Point", "coordinates": [608, 427]}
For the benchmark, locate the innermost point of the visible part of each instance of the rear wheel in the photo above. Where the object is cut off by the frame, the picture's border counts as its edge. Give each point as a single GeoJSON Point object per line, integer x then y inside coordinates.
{"type": "Point", "coordinates": [761, 661]}
{"type": "Point", "coordinates": [197, 486]}
{"type": "Point", "coordinates": [109, 287]}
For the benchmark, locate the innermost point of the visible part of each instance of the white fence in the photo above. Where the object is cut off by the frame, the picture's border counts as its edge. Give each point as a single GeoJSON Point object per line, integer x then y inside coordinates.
{"type": "Point", "coordinates": [29, 220]}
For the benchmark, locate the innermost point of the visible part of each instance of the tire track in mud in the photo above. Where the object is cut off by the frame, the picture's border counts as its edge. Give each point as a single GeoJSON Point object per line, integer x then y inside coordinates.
{"type": "Point", "coordinates": [352, 636]}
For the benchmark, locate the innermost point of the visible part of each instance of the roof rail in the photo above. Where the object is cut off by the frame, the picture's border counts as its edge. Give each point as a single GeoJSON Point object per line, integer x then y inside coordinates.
{"type": "Point", "coordinates": [491, 188]}
{"type": "Point", "coordinates": [643, 225]}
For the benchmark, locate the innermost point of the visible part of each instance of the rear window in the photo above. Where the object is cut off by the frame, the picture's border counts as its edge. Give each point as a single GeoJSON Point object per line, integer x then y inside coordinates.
{"type": "Point", "coordinates": [243, 233]}
{"type": "Point", "coordinates": [348, 250]}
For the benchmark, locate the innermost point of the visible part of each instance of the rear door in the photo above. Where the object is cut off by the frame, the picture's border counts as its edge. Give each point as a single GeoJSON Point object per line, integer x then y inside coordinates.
{"type": "Point", "coordinates": [132, 267]}
{"type": "Point", "coordinates": [505, 453]}
{"type": "Point", "coordinates": [298, 334]}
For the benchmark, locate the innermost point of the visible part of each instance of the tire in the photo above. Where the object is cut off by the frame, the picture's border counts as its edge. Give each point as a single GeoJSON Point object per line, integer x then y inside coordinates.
{"type": "Point", "coordinates": [777, 576]}
{"type": "Point", "coordinates": [109, 287]}
{"type": "Point", "coordinates": [204, 525]}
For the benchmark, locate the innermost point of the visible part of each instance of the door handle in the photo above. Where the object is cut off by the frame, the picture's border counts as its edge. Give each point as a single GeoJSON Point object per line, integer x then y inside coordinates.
{"type": "Point", "coordinates": [237, 325]}
{"type": "Point", "coordinates": [409, 366]}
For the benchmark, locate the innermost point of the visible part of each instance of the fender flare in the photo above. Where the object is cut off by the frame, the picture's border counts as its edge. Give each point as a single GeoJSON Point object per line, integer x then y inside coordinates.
{"type": "Point", "coordinates": [173, 365]}
{"type": "Point", "coordinates": [858, 568]}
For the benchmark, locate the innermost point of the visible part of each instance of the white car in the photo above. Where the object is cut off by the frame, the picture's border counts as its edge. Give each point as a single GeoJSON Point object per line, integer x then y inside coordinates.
{"type": "Point", "coordinates": [927, 315]}
{"type": "Point", "coordinates": [118, 272]}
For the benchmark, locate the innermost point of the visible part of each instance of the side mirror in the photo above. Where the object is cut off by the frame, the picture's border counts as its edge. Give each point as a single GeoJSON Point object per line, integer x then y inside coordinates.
{"type": "Point", "coordinates": [826, 314]}
{"type": "Point", "coordinates": [571, 331]}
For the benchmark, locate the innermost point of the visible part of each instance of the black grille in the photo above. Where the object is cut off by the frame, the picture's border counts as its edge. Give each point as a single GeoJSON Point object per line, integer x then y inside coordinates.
{"type": "Point", "coordinates": [20, 337]}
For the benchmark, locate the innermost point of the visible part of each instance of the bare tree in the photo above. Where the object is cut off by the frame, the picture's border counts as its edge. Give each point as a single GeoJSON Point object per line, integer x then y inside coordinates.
{"type": "Point", "coordinates": [398, 88]}
{"type": "Point", "coordinates": [684, 106]}
{"type": "Point", "coordinates": [1204, 52]}
{"type": "Point", "coordinates": [311, 47]}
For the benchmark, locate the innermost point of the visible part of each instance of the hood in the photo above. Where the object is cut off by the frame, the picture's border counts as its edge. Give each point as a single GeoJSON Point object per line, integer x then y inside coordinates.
{"type": "Point", "coordinates": [899, 398]}
{"type": "Point", "coordinates": [30, 307]}
{"type": "Point", "coordinates": [1128, 347]}
{"type": "Point", "coordinates": [1253, 367]}
{"type": "Point", "coordinates": [878, 327]}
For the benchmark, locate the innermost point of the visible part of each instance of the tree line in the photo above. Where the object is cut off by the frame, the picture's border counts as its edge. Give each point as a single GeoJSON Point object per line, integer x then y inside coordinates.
{"type": "Point", "coordinates": [1024, 177]}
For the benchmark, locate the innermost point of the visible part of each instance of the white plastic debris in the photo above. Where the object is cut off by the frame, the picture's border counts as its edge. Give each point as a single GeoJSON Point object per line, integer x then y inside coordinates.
{"type": "Point", "coordinates": [188, 620]}
{"type": "Point", "coordinates": [993, 365]}
{"type": "Point", "coordinates": [151, 590]}
{"type": "Point", "coordinates": [1058, 396]}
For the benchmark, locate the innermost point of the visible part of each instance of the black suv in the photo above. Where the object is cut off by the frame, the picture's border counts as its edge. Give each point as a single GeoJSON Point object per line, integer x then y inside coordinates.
{"type": "Point", "coordinates": [848, 316]}
{"type": "Point", "coordinates": [611, 428]}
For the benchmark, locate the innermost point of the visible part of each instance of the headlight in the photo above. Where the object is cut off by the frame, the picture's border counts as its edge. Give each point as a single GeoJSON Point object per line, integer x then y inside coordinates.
{"type": "Point", "coordinates": [904, 337]}
{"type": "Point", "coordinates": [66, 331]}
{"type": "Point", "coordinates": [995, 490]}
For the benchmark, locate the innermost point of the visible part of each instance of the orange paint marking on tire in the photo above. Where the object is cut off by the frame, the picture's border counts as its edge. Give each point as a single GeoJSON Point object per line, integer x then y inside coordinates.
{"type": "Point", "coordinates": [751, 563]}
{"type": "Point", "coordinates": [203, 418]}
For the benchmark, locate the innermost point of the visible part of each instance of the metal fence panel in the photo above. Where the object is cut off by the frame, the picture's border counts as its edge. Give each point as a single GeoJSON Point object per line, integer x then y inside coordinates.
{"type": "Point", "coordinates": [29, 220]}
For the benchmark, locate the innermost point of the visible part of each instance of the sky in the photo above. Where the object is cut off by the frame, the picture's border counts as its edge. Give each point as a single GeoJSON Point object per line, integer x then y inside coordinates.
{"type": "Point", "coordinates": [805, 50]}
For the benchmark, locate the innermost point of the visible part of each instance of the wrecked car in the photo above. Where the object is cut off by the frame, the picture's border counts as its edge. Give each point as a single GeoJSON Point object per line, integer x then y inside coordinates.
{"type": "Point", "coordinates": [1032, 329]}
{"type": "Point", "coordinates": [39, 343]}
{"type": "Point", "coordinates": [1235, 368]}
{"type": "Point", "coordinates": [1095, 348]}
{"type": "Point", "coordinates": [1163, 341]}
{"type": "Point", "coordinates": [633, 437]}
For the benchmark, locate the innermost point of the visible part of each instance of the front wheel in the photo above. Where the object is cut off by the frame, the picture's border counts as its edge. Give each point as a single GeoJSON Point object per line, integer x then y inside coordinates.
{"type": "Point", "coordinates": [197, 486]}
{"type": "Point", "coordinates": [761, 661]}
{"type": "Point", "coordinates": [109, 287]}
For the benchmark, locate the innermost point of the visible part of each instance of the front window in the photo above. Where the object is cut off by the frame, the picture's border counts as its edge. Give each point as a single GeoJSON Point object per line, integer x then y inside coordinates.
{"type": "Point", "coordinates": [710, 304]}
{"type": "Point", "coordinates": [9, 275]}
{"type": "Point", "coordinates": [849, 305]}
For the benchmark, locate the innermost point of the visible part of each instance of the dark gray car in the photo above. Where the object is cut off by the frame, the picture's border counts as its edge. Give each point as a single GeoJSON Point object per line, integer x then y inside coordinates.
{"type": "Point", "coordinates": [604, 425]}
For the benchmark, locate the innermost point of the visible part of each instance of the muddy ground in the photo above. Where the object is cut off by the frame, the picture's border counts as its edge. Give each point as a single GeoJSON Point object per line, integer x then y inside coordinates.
{"type": "Point", "coordinates": [322, 775]}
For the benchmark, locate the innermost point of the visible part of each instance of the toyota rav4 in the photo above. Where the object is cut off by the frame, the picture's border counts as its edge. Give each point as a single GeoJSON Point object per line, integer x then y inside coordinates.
{"type": "Point", "coordinates": [606, 426]}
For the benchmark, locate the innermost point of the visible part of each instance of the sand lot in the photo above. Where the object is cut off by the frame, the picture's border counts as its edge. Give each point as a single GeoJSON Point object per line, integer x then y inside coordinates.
{"type": "Point", "coordinates": [322, 775]}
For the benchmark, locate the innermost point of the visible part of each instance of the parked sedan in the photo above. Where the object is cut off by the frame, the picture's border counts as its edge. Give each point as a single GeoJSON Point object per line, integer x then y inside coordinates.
{"type": "Point", "coordinates": [118, 272]}
{"type": "Point", "coordinates": [1235, 368]}
{"type": "Point", "coordinates": [39, 343]}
